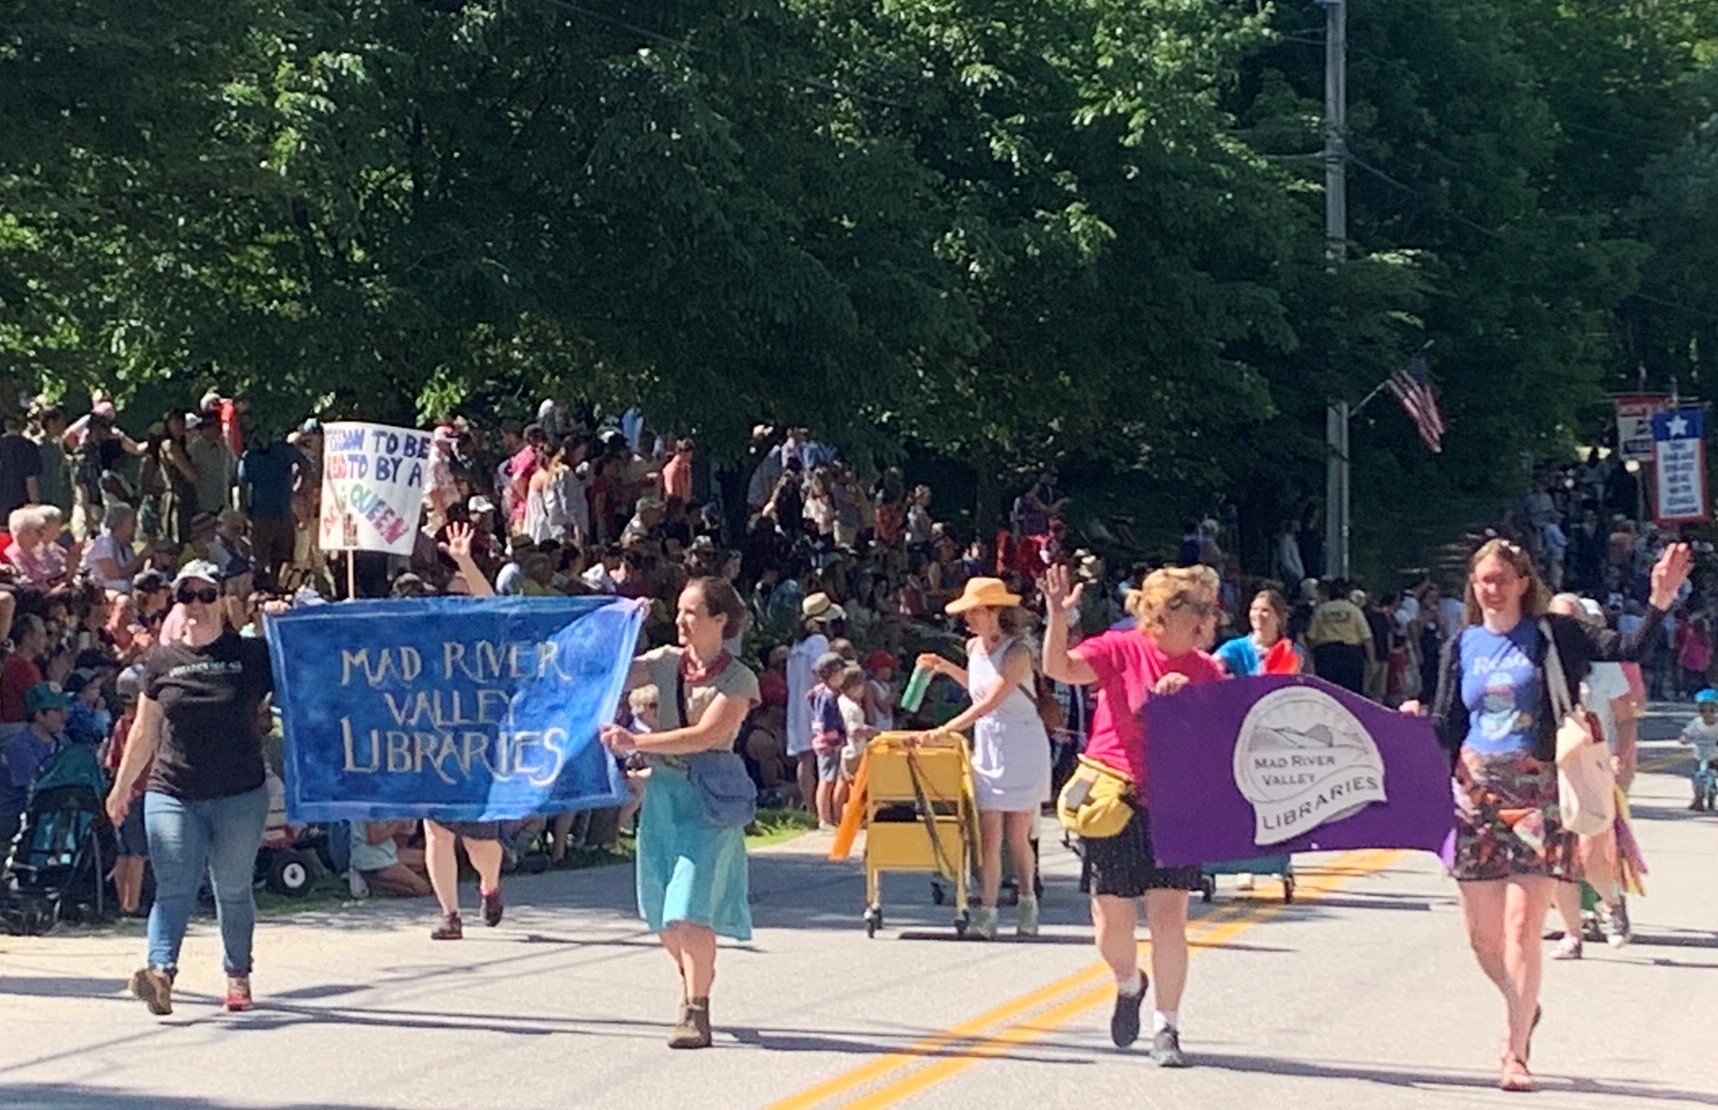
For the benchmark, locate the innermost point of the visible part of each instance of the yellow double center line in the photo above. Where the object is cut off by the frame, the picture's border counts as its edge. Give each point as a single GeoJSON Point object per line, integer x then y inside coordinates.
{"type": "Point", "coordinates": [993, 1033]}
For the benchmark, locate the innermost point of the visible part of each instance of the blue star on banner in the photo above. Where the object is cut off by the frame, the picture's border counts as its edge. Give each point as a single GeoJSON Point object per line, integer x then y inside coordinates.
{"type": "Point", "coordinates": [1676, 424]}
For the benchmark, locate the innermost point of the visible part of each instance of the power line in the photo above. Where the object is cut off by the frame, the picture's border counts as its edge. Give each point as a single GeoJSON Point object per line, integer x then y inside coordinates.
{"type": "Point", "coordinates": [1457, 216]}
{"type": "Point", "coordinates": [1691, 310]}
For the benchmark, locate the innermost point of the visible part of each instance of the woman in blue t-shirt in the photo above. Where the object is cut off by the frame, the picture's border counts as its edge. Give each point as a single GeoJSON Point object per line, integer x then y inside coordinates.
{"type": "Point", "coordinates": [1493, 713]}
{"type": "Point", "coordinates": [1245, 655]}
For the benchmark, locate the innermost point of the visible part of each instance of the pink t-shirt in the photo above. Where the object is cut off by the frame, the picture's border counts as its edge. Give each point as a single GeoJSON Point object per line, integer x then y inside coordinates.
{"type": "Point", "coordinates": [1128, 666]}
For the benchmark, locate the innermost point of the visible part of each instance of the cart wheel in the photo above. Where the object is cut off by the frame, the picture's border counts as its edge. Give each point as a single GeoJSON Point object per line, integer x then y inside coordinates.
{"type": "Point", "coordinates": [291, 874]}
{"type": "Point", "coordinates": [938, 895]}
{"type": "Point", "coordinates": [1288, 889]}
{"type": "Point", "coordinates": [1207, 888]}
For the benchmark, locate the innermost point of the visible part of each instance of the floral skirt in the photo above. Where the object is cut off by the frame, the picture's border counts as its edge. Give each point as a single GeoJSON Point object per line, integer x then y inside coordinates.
{"type": "Point", "coordinates": [1507, 820]}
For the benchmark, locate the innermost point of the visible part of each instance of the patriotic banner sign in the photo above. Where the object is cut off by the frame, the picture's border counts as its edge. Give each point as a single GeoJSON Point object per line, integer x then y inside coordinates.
{"type": "Point", "coordinates": [1679, 470]}
{"type": "Point", "coordinates": [372, 487]}
{"type": "Point", "coordinates": [1634, 425]}
{"type": "Point", "coordinates": [1282, 764]}
{"type": "Point", "coordinates": [453, 708]}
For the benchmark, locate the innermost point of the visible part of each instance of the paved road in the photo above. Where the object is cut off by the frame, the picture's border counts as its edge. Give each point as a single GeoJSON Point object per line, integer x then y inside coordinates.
{"type": "Point", "coordinates": [1360, 995]}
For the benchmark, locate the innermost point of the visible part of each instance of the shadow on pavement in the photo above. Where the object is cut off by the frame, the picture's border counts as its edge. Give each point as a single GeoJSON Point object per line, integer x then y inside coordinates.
{"type": "Point", "coordinates": [1410, 1078]}
{"type": "Point", "coordinates": [1650, 812]}
{"type": "Point", "coordinates": [52, 1096]}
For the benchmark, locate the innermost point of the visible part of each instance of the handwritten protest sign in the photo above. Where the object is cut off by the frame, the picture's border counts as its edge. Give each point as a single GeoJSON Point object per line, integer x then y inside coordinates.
{"type": "Point", "coordinates": [455, 708]}
{"type": "Point", "coordinates": [1289, 764]}
{"type": "Point", "coordinates": [372, 486]}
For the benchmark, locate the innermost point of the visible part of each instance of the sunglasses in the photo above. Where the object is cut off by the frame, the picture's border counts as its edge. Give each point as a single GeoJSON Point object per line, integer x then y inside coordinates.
{"type": "Point", "coordinates": [208, 595]}
{"type": "Point", "coordinates": [1197, 608]}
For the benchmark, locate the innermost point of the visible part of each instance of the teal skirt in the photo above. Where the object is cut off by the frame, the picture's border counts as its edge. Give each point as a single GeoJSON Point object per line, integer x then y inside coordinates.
{"type": "Point", "coordinates": [688, 868]}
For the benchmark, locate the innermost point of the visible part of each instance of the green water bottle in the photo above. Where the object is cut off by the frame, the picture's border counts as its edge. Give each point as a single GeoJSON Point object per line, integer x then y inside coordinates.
{"type": "Point", "coordinates": [914, 695]}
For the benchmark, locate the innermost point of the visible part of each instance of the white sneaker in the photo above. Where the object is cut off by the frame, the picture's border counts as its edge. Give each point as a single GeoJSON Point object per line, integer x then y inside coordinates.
{"type": "Point", "coordinates": [1618, 931]}
{"type": "Point", "coordinates": [983, 926]}
{"type": "Point", "coordinates": [355, 884]}
{"type": "Point", "coordinates": [1027, 925]}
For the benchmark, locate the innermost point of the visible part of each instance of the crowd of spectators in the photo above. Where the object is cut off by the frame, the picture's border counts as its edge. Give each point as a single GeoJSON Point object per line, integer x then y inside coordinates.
{"type": "Point", "coordinates": [833, 558]}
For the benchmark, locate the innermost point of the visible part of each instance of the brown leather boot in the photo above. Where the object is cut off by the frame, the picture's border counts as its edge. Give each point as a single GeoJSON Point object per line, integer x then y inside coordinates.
{"type": "Point", "coordinates": [693, 1030]}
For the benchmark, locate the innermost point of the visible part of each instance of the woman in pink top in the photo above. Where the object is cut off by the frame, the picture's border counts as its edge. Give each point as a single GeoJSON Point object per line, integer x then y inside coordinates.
{"type": "Point", "coordinates": [1176, 615]}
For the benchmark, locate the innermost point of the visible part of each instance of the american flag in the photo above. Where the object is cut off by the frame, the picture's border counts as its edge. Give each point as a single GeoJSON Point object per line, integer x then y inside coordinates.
{"type": "Point", "coordinates": [1412, 386]}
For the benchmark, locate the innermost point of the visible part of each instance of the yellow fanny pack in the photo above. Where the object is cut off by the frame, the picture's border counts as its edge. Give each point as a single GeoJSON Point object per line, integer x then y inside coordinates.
{"type": "Point", "coordinates": [1097, 802]}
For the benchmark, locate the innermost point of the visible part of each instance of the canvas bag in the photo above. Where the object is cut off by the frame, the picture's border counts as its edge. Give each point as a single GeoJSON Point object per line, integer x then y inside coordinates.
{"type": "Point", "coordinates": [719, 778]}
{"type": "Point", "coordinates": [1586, 786]}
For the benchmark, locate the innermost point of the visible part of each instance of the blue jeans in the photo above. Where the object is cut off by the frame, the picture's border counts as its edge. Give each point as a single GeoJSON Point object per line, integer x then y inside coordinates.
{"type": "Point", "coordinates": [217, 835]}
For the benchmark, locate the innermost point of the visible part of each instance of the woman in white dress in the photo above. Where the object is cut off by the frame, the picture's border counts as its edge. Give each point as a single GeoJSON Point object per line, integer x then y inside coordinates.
{"type": "Point", "coordinates": [1011, 750]}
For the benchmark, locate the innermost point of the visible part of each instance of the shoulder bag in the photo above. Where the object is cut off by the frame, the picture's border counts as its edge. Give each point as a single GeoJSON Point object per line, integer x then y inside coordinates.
{"type": "Point", "coordinates": [729, 795]}
{"type": "Point", "coordinates": [1586, 786]}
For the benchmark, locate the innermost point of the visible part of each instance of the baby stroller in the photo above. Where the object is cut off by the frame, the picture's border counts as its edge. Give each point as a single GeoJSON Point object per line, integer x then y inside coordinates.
{"type": "Point", "coordinates": [58, 864]}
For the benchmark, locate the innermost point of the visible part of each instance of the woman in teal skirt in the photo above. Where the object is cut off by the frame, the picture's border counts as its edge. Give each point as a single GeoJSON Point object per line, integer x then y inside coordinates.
{"type": "Point", "coordinates": [692, 874]}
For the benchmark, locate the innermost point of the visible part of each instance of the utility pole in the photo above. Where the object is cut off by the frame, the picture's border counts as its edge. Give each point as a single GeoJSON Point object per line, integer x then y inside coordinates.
{"type": "Point", "coordinates": [1337, 501]}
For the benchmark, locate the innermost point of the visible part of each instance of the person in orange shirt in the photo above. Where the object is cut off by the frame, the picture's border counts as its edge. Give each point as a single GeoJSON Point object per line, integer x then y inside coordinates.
{"type": "Point", "coordinates": [677, 473]}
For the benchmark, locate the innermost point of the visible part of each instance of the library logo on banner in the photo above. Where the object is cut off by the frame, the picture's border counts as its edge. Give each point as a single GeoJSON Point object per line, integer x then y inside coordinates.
{"type": "Point", "coordinates": [1303, 760]}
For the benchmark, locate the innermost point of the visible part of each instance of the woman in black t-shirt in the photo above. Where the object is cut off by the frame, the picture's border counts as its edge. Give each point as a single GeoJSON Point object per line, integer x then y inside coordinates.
{"type": "Point", "coordinates": [200, 720]}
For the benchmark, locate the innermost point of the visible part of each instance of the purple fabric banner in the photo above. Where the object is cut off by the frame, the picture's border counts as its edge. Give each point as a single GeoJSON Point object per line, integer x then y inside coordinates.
{"type": "Point", "coordinates": [1274, 765]}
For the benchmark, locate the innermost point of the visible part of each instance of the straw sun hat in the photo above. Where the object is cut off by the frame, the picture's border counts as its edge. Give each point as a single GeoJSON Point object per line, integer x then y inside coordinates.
{"type": "Point", "coordinates": [987, 593]}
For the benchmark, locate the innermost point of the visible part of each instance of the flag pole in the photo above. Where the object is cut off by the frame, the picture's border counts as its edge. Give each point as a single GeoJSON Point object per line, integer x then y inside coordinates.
{"type": "Point", "coordinates": [1339, 491]}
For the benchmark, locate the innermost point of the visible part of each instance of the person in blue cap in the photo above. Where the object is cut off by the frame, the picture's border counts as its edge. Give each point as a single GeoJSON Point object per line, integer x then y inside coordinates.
{"type": "Point", "coordinates": [22, 756]}
{"type": "Point", "coordinates": [1701, 733]}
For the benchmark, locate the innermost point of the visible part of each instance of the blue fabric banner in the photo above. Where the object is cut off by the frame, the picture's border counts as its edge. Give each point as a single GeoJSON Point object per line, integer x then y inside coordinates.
{"type": "Point", "coordinates": [455, 708]}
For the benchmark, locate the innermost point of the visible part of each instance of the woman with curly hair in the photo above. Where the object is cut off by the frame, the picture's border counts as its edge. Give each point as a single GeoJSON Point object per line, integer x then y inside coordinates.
{"type": "Point", "coordinates": [1175, 613]}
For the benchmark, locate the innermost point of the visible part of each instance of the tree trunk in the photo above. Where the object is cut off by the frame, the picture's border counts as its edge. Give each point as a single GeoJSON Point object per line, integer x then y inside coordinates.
{"type": "Point", "coordinates": [988, 496]}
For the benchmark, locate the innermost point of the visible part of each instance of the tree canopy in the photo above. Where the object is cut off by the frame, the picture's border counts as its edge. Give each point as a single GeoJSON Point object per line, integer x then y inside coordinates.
{"type": "Point", "coordinates": [1009, 231]}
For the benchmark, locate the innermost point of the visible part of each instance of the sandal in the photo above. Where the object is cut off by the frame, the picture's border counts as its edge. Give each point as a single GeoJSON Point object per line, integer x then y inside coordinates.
{"type": "Point", "coordinates": [1515, 1075]}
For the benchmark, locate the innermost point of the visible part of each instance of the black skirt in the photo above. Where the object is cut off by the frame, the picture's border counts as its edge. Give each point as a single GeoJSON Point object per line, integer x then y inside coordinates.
{"type": "Point", "coordinates": [473, 830]}
{"type": "Point", "coordinates": [1124, 866]}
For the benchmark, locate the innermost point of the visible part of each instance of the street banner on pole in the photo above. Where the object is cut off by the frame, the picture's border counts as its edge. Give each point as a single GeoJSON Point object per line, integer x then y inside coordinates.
{"type": "Point", "coordinates": [453, 708]}
{"type": "Point", "coordinates": [1634, 424]}
{"type": "Point", "coordinates": [372, 487]}
{"type": "Point", "coordinates": [1281, 764]}
{"type": "Point", "coordinates": [1679, 470]}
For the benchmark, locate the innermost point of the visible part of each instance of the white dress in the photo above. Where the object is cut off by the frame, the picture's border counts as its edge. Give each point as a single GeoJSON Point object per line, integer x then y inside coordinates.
{"type": "Point", "coordinates": [1011, 750]}
{"type": "Point", "coordinates": [799, 683]}
{"type": "Point", "coordinates": [545, 514]}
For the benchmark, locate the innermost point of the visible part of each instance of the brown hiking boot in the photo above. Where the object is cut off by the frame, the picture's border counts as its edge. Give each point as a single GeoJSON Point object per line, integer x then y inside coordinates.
{"type": "Point", "coordinates": [490, 901]}
{"type": "Point", "coordinates": [155, 987]}
{"type": "Point", "coordinates": [693, 1031]}
{"type": "Point", "coordinates": [451, 928]}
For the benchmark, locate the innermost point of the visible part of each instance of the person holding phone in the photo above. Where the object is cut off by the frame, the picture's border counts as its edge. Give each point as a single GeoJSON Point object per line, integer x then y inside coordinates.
{"type": "Point", "coordinates": [199, 720]}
